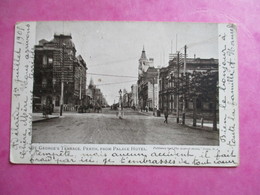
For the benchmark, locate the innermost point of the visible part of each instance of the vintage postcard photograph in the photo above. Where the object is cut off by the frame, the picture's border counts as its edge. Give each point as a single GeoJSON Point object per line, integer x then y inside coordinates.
{"type": "Point", "coordinates": [125, 93]}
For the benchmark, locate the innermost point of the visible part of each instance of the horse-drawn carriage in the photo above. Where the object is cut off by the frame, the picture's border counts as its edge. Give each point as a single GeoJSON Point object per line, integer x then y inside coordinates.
{"type": "Point", "coordinates": [90, 108]}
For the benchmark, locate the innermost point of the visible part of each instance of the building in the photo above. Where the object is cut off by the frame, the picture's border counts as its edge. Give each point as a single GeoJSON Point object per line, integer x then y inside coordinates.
{"type": "Point", "coordinates": [94, 96]}
{"type": "Point", "coordinates": [151, 77]}
{"type": "Point", "coordinates": [134, 96]}
{"type": "Point", "coordinates": [56, 63]}
{"type": "Point", "coordinates": [177, 90]}
{"type": "Point", "coordinates": [147, 83]}
{"type": "Point", "coordinates": [127, 99]}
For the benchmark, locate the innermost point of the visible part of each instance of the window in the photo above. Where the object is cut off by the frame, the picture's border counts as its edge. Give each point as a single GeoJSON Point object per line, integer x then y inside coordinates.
{"type": "Point", "coordinates": [54, 81]}
{"type": "Point", "coordinates": [44, 82]}
{"type": "Point", "coordinates": [44, 61]}
{"type": "Point", "coordinates": [50, 61]}
{"type": "Point", "coordinates": [76, 85]}
{"type": "Point", "coordinates": [167, 82]}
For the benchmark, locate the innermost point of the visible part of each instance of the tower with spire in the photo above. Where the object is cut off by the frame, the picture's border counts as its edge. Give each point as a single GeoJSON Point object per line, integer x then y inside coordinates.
{"type": "Point", "coordinates": [144, 63]}
{"type": "Point", "coordinates": [91, 83]}
{"type": "Point", "coordinates": [147, 82]}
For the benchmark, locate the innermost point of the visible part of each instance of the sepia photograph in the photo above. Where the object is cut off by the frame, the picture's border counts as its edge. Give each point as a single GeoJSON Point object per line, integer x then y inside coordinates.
{"type": "Point", "coordinates": [135, 83]}
{"type": "Point", "coordinates": [129, 97]}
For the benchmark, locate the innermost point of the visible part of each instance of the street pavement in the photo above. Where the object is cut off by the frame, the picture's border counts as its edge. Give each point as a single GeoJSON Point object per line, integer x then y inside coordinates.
{"type": "Point", "coordinates": [107, 128]}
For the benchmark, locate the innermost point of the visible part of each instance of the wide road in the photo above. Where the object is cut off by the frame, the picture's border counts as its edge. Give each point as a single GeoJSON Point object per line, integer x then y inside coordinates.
{"type": "Point", "coordinates": [106, 128]}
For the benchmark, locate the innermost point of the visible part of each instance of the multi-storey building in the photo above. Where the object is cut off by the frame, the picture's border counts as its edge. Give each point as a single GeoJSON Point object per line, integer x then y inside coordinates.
{"type": "Point", "coordinates": [147, 83]}
{"type": "Point", "coordinates": [134, 96]}
{"type": "Point", "coordinates": [174, 85]}
{"type": "Point", "coordinates": [56, 62]}
{"type": "Point", "coordinates": [94, 96]}
{"type": "Point", "coordinates": [127, 99]}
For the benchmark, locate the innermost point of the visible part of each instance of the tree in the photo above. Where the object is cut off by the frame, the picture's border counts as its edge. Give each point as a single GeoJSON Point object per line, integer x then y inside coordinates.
{"type": "Point", "coordinates": [203, 85]}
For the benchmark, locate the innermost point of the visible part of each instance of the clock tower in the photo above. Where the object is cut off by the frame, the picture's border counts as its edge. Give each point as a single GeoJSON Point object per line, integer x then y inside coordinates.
{"type": "Point", "coordinates": [143, 64]}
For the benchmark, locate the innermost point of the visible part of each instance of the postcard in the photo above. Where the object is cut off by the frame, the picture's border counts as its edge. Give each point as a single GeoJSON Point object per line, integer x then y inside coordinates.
{"type": "Point", "coordinates": [125, 93]}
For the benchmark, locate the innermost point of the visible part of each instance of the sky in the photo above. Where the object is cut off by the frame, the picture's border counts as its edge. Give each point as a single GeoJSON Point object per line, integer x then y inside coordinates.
{"type": "Point", "coordinates": [114, 48]}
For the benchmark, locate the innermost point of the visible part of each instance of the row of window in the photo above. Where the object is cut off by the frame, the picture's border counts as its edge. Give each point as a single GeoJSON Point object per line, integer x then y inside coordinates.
{"type": "Point", "coordinates": [45, 82]}
{"type": "Point", "coordinates": [164, 84]}
{"type": "Point", "coordinates": [47, 61]}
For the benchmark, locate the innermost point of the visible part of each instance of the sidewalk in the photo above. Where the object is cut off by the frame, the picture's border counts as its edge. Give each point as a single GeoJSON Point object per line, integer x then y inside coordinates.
{"type": "Point", "coordinates": [37, 117]}
{"type": "Point", "coordinates": [207, 125]}
{"type": "Point", "coordinates": [149, 113]}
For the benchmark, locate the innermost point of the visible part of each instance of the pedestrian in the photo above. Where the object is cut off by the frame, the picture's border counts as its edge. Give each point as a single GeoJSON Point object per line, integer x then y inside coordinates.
{"type": "Point", "coordinates": [44, 111]}
{"type": "Point", "coordinates": [166, 116]}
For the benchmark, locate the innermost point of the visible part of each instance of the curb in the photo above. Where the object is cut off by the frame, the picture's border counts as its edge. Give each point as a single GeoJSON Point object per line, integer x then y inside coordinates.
{"type": "Point", "coordinates": [44, 119]}
{"type": "Point", "coordinates": [148, 114]}
{"type": "Point", "coordinates": [200, 128]}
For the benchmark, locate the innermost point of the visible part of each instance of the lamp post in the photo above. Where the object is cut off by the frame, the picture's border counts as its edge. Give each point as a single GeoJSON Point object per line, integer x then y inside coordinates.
{"type": "Point", "coordinates": [120, 110]}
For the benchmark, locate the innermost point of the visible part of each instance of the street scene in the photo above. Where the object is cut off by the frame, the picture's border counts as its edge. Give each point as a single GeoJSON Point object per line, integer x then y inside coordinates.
{"type": "Point", "coordinates": [135, 128]}
{"type": "Point", "coordinates": [94, 84]}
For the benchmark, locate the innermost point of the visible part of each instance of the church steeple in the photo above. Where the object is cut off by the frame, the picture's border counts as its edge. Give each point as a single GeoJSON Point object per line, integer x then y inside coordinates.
{"type": "Point", "coordinates": [91, 83]}
{"type": "Point", "coordinates": [143, 56]}
{"type": "Point", "coordinates": [143, 63]}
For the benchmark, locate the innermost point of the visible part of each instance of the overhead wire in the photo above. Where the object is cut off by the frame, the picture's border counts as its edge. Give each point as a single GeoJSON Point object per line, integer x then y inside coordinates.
{"type": "Point", "coordinates": [110, 75]}
{"type": "Point", "coordinates": [127, 76]}
{"type": "Point", "coordinates": [116, 83]}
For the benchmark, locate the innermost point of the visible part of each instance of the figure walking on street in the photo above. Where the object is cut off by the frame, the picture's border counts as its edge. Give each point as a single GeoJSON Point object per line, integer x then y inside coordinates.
{"type": "Point", "coordinates": [166, 116]}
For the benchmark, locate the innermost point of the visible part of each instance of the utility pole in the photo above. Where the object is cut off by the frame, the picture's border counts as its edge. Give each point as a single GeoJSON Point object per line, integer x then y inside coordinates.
{"type": "Point", "coordinates": [194, 111]}
{"type": "Point", "coordinates": [136, 97]}
{"type": "Point", "coordinates": [80, 90]}
{"type": "Point", "coordinates": [178, 75]}
{"type": "Point", "coordinates": [171, 46]}
{"type": "Point", "coordinates": [158, 88]}
{"type": "Point", "coordinates": [153, 99]}
{"type": "Point", "coordinates": [62, 80]}
{"type": "Point", "coordinates": [184, 80]}
{"type": "Point", "coordinates": [176, 41]}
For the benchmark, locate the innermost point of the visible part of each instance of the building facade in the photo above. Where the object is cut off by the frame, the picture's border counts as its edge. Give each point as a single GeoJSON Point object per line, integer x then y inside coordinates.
{"type": "Point", "coordinates": [56, 63]}
{"type": "Point", "coordinates": [178, 89]}
{"type": "Point", "coordinates": [134, 96]}
{"type": "Point", "coordinates": [147, 83]}
{"type": "Point", "coordinates": [94, 96]}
